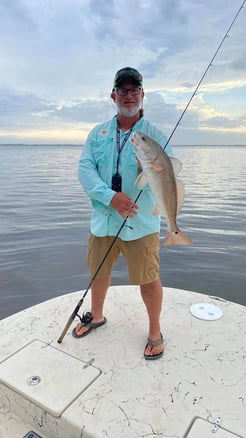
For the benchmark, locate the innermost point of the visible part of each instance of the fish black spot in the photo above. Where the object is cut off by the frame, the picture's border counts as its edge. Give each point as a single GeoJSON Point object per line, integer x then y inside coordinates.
{"type": "Point", "coordinates": [176, 232]}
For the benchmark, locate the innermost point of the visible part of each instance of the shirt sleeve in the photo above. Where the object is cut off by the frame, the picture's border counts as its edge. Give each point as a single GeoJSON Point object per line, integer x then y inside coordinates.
{"type": "Point", "coordinates": [95, 188]}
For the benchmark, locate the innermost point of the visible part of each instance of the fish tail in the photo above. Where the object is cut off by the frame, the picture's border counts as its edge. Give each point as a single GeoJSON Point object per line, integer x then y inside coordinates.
{"type": "Point", "coordinates": [177, 238]}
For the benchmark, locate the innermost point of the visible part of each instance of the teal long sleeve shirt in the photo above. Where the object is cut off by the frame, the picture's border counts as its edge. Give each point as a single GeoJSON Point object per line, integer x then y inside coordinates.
{"type": "Point", "coordinates": [98, 164]}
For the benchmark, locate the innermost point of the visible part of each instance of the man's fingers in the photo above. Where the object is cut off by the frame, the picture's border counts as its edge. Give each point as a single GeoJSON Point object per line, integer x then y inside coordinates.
{"type": "Point", "coordinates": [124, 205]}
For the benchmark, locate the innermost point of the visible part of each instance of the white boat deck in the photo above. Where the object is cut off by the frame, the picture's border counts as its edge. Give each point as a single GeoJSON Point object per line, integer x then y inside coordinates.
{"type": "Point", "coordinates": [101, 386]}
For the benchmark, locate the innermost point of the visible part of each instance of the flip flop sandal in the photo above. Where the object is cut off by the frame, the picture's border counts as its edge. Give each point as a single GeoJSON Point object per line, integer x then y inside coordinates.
{"type": "Point", "coordinates": [91, 326]}
{"type": "Point", "coordinates": [154, 344]}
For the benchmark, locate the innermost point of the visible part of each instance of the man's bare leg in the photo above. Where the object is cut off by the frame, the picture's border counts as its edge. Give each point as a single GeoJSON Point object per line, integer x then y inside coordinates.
{"type": "Point", "coordinates": [152, 295]}
{"type": "Point", "coordinates": [98, 293]}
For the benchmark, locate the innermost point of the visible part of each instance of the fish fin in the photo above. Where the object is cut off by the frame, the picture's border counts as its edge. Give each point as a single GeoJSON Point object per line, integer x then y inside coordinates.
{"type": "Point", "coordinates": [157, 211]}
{"type": "Point", "coordinates": [141, 180]}
{"type": "Point", "coordinates": [180, 194]}
{"type": "Point", "coordinates": [155, 166]}
{"type": "Point", "coordinates": [176, 164]}
{"type": "Point", "coordinates": [177, 238]}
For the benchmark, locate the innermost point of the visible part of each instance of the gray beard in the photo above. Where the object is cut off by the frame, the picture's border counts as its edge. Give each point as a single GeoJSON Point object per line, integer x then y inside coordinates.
{"type": "Point", "coordinates": [128, 112]}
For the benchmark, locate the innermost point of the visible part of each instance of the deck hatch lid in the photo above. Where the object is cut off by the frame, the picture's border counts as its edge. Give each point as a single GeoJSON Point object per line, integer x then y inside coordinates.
{"type": "Point", "coordinates": [61, 377]}
{"type": "Point", "coordinates": [204, 429]}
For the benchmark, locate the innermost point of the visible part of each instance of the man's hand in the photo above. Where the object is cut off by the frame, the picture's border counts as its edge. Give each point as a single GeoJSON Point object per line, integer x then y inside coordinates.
{"type": "Point", "coordinates": [124, 205]}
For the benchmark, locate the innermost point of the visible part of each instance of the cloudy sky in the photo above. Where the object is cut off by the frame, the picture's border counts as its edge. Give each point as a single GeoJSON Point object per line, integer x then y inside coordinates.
{"type": "Point", "coordinates": [58, 59]}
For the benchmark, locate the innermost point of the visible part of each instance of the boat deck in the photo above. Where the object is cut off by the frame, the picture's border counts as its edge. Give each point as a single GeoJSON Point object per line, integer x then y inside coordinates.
{"type": "Point", "coordinates": [101, 386]}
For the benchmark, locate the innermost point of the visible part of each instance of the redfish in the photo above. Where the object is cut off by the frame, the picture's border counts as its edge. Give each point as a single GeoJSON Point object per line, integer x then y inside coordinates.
{"type": "Point", "coordinates": [160, 171]}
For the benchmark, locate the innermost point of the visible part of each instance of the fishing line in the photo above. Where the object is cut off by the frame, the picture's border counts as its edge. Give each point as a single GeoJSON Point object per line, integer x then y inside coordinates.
{"type": "Point", "coordinates": [205, 72]}
{"type": "Point", "coordinates": [75, 312]}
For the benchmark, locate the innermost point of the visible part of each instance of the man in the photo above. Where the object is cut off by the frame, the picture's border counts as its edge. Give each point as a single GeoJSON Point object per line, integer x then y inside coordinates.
{"type": "Point", "coordinates": [108, 169]}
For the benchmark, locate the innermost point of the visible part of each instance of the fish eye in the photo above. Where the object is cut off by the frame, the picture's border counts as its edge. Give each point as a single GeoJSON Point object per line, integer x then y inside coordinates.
{"type": "Point", "coordinates": [143, 138]}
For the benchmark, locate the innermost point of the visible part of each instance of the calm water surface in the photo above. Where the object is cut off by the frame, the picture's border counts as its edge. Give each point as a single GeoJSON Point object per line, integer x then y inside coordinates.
{"type": "Point", "coordinates": [44, 225]}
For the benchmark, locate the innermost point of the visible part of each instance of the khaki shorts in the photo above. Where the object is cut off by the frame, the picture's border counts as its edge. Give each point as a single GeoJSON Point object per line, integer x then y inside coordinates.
{"type": "Point", "coordinates": [142, 256]}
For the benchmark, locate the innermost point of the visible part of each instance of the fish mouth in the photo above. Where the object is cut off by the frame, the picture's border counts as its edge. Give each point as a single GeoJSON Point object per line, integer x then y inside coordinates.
{"type": "Point", "coordinates": [134, 139]}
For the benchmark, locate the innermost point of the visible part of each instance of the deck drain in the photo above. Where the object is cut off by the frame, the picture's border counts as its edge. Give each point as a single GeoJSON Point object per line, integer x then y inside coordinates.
{"type": "Point", "coordinates": [33, 380]}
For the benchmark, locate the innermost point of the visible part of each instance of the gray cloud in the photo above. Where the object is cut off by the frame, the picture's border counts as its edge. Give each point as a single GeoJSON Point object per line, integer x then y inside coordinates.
{"type": "Point", "coordinates": [14, 17]}
{"type": "Point", "coordinates": [225, 122]}
{"type": "Point", "coordinates": [22, 110]}
{"type": "Point", "coordinates": [88, 111]}
{"type": "Point", "coordinates": [58, 58]}
{"type": "Point", "coordinates": [239, 63]}
{"type": "Point", "coordinates": [27, 110]}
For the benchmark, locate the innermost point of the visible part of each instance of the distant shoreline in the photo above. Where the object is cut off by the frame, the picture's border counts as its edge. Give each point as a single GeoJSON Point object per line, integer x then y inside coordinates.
{"type": "Point", "coordinates": [80, 145]}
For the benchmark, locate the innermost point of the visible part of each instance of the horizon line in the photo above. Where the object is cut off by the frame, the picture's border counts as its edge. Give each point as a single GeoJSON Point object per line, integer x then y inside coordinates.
{"type": "Point", "coordinates": [82, 144]}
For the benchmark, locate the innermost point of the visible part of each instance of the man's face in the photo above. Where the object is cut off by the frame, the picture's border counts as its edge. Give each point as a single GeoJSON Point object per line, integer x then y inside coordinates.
{"type": "Point", "coordinates": [128, 105]}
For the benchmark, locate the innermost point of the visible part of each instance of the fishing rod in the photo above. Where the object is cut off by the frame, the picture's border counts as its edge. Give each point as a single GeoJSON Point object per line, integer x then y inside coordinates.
{"type": "Point", "coordinates": [76, 310]}
{"type": "Point", "coordinates": [205, 72]}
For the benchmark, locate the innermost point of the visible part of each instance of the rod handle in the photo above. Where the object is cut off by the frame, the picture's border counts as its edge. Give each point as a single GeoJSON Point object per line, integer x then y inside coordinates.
{"type": "Point", "coordinates": [70, 320]}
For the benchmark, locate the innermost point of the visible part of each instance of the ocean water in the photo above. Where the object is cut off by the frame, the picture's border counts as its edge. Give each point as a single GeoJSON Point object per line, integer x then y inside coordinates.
{"type": "Point", "coordinates": [44, 225]}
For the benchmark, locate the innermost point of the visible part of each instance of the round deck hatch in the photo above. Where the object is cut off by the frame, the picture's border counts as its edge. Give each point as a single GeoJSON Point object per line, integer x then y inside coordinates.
{"type": "Point", "coordinates": [206, 311]}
